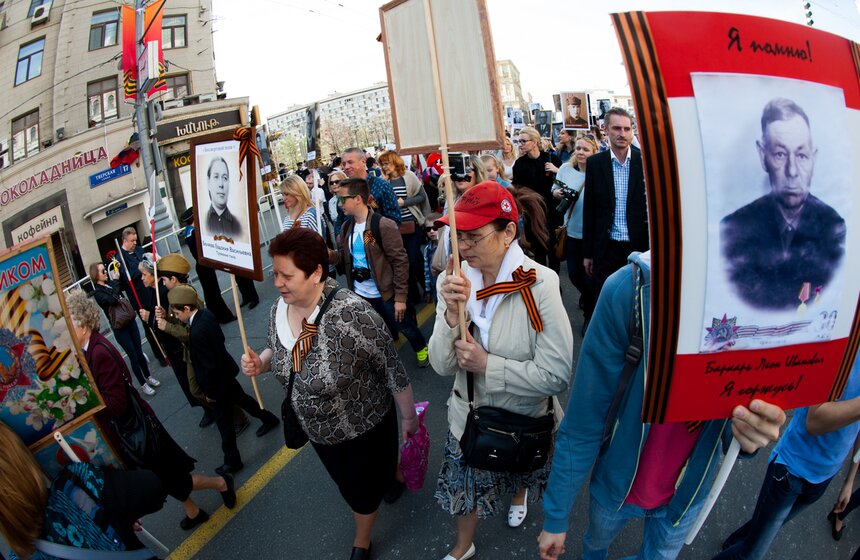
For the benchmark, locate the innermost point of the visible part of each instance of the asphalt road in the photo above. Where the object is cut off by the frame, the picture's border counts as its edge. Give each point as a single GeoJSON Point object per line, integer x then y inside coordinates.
{"type": "Point", "coordinates": [289, 508]}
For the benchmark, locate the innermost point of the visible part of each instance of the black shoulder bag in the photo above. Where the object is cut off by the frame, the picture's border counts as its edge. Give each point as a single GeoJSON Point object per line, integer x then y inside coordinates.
{"type": "Point", "coordinates": [499, 440]}
{"type": "Point", "coordinates": [294, 436]}
{"type": "Point", "coordinates": [138, 432]}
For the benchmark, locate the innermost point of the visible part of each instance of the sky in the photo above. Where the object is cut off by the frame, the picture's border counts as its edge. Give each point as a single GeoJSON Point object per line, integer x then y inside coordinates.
{"type": "Point", "coordinates": [305, 50]}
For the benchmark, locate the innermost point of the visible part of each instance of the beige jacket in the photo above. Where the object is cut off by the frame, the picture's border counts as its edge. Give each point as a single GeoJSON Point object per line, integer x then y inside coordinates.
{"type": "Point", "coordinates": [523, 366]}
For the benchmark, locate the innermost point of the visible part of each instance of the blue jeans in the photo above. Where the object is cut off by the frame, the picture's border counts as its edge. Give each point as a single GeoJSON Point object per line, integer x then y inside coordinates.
{"type": "Point", "coordinates": [129, 338]}
{"type": "Point", "coordinates": [661, 540]}
{"type": "Point", "coordinates": [782, 496]}
{"type": "Point", "coordinates": [408, 326]}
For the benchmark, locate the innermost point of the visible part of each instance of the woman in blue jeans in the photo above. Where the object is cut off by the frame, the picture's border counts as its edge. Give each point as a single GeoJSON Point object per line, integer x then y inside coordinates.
{"type": "Point", "coordinates": [128, 337]}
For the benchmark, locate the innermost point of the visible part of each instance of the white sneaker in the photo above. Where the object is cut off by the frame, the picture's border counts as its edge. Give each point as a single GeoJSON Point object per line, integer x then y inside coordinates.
{"type": "Point", "coordinates": [153, 382]}
{"type": "Point", "coordinates": [147, 390]}
{"type": "Point", "coordinates": [469, 554]}
{"type": "Point", "coordinates": [517, 514]}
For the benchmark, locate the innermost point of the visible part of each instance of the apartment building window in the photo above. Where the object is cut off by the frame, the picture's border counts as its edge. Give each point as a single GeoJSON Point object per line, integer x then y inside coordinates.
{"type": "Point", "coordinates": [177, 86]}
{"type": "Point", "coordinates": [103, 29]}
{"type": "Point", "coordinates": [29, 61]}
{"type": "Point", "coordinates": [173, 32]}
{"type": "Point", "coordinates": [102, 101]}
{"type": "Point", "coordinates": [35, 4]}
{"type": "Point", "coordinates": [25, 136]}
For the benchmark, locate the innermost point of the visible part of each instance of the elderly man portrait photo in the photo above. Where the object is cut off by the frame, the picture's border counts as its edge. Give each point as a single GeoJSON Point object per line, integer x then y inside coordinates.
{"type": "Point", "coordinates": [219, 220]}
{"type": "Point", "coordinates": [784, 247]}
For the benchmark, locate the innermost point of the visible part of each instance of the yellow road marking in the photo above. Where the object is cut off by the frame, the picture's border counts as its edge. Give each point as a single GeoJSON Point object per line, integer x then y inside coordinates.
{"type": "Point", "coordinates": [260, 479]}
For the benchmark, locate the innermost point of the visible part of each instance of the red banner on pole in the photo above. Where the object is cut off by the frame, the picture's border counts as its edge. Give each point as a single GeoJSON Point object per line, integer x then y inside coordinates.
{"type": "Point", "coordinates": [152, 32]}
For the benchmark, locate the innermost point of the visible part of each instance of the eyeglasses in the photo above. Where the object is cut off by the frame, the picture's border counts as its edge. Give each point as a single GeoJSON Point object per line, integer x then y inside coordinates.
{"type": "Point", "coordinates": [462, 178]}
{"type": "Point", "coordinates": [469, 242]}
{"type": "Point", "coordinates": [521, 141]}
{"type": "Point", "coordinates": [343, 199]}
{"type": "Point", "coordinates": [334, 182]}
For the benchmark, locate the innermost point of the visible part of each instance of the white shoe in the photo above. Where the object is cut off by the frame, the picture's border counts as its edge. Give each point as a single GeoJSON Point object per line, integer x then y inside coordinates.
{"type": "Point", "coordinates": [153, 382]}
{"type": "Point", "coordinates": [147, 390]}
{"type": "Point", "coordinates": [517, 514]}
{"type": "Point", "coordinates": [469, 554]}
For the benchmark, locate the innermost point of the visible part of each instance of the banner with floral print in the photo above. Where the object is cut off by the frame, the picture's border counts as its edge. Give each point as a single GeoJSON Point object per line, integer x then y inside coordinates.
{"type": "Point", "coordinates": [43, 383]}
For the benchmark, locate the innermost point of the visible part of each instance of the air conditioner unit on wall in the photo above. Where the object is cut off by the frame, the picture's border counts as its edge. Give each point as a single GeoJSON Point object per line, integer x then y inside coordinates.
{"type": "Point", "coordinates": [40, 14]}
{"type": "Point", "coordinates": [173, 103]}
{"type": "Point", "coordinates": [206, 97]}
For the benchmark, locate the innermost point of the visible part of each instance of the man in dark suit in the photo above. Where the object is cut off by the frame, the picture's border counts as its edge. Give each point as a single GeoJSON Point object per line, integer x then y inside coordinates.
{"type": "Point", "coordinates": [216, 374]}
{"type": "Point", "coordinates": [784, 247]}
{"type": "Point", "coordinates": [615, 215]}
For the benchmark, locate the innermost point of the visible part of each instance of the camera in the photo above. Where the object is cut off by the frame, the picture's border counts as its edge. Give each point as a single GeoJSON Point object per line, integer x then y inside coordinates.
{"type": "Point", "coordinates": [461, 167]}
{"type": "Point", "coordinates": [569, 197]}
{"type": "Point", "coordinates": [360, 274]}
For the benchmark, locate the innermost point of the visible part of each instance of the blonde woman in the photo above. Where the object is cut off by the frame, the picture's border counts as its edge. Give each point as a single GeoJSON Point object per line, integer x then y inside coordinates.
{"type": "Point", "coordinates": [300, 208]}
{"type": "Point", "coordinates": [509, 156]}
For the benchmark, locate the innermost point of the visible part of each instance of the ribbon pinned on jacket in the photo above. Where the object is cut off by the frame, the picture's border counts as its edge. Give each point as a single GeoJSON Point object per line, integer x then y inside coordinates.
{"type": "Point", "coordinates": [522, 282]}
{"type": "Point", "coordinates": [247, 144]}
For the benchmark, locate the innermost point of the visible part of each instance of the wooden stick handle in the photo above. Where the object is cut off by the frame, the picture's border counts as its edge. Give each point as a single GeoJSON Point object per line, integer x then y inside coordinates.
{"type": "Point", "coordinates": [244, 338]}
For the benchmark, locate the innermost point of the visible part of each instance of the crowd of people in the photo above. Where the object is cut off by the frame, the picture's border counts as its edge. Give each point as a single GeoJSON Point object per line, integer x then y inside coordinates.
{"type": "Point", "coordinates": [364, 241]}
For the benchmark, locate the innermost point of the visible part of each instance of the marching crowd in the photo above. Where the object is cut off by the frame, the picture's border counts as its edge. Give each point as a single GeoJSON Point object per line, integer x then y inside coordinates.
{"type": "Point", "coordinates": [362, 244]}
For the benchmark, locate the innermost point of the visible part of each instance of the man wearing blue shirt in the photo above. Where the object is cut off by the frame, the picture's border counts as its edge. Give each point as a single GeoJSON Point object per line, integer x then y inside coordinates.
{"type": "Point", "coordinates": [802, 464]}
{"type": "Point", "coordinates": [354, 164]}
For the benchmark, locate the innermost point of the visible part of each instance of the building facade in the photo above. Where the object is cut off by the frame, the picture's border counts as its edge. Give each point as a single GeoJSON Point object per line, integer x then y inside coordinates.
{"type": "Point", "coordinates": [357, 118]}
{"type": "Point", "coordinates": [510, 90]}
{"type": "Point", "coordinates": [63, 117]}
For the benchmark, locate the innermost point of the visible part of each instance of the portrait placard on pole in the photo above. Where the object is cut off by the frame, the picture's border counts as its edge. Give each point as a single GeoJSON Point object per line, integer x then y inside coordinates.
{"type": "Point", "coordinates": [467, 72]}
{"type": "Point", "coordinates": [223, 179]}
{"type": "Point", "coordinates": [748, 128]}
{"type": "Point", "coordinates": [43, 384]}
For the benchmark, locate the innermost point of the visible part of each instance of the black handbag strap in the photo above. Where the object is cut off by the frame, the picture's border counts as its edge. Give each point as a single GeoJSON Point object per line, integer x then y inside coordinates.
{"type": "Point", "coordinates": [470, 388]}
{"type": "Point", "coordinates": [316, 321]}
{"type": "Point", "coordinates": [632, 357]}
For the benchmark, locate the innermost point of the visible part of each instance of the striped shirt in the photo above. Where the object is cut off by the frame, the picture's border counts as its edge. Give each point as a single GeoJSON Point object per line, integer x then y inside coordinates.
{"type": "Point", "coordinates": [621, 176]}
{"type": "Point", "coordinates": [307, 220]}
{"type": "Point", "coordinates": [399, 186]}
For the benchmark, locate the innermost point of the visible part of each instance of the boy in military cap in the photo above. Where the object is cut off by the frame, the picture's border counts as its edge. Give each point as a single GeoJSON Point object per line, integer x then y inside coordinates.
{"type": "Point", "coordinates": [216, 372]}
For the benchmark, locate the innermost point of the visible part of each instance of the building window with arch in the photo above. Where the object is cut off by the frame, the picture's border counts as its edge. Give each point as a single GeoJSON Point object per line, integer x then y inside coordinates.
{"type": "Point", "coordinates": [174, 31]}
{"type": "Point", "coordinates": [102, 101]}
{"type": "Point", "coordinates": [104, 28]}
{"type": "Point", "coordinates": [25, 136]}
{"type": "Point", "coordinates": [29, 61]}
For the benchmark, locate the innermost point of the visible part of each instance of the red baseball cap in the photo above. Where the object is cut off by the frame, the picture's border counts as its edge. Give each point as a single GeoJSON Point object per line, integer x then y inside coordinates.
{"type": "Point", "coordinates": [482, 204]}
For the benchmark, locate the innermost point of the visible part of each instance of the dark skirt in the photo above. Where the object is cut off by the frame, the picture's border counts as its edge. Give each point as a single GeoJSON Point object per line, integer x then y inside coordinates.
{"type": "Point", "coordinates": [173, 466]}
{"type": "Point", "coordinates": [363, 468]}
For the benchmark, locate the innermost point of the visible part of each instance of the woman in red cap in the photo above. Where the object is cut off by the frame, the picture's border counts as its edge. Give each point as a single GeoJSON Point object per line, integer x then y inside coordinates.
{"type": "Point", "coordinates": [518, 349]}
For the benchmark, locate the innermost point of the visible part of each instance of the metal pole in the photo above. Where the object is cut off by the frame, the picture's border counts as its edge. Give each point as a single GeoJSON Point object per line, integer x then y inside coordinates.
{"type": "Point", "coordinates": [158, 211]}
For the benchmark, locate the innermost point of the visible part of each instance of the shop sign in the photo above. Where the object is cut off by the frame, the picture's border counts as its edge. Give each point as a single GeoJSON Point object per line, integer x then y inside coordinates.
{"type": "Point", "coordinates": [183, 160]}
{"type": "Point", "coordinates": [47, 222]}
{"type": "Point", "coordinates": [103, 177]}
{"type": "Point", "coordinates": [195, 126]}
{"type": "Point", "coordinates": [116, 209]}
{"type": "Point", "coordinates": [51, 174]}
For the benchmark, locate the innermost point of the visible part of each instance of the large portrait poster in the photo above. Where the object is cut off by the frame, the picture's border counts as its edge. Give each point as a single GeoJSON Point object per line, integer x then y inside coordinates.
{"type": "Point", "coordinates": [223, 185]}
{"type": "Point", "coordinates": [749, 128]}
{"type": "Point", "coordinates": [43, 386]}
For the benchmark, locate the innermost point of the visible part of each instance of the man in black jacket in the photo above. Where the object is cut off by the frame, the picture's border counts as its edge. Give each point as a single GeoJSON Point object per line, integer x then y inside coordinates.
{"type": "Point", "coordinates": [216, 374]}
{"type": "Point", "coordinates": [615, 215]}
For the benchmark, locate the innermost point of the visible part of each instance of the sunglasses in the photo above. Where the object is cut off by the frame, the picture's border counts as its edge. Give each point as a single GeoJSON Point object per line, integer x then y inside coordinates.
{"type": "Point", "coordinates": [334, 182]}
{"type": "Point", "coordinates": [461, 178]}
{"type": "Point", "coordinates": [521, 141]}
{"type": "Point", "coordinates": [343, 199]}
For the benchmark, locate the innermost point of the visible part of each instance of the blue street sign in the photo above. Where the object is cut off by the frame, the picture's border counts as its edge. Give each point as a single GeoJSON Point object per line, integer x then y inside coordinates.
{"type": "Point", "coordinates": [116, 209]}
{"type": "Point", "coordinates": [109, 175]}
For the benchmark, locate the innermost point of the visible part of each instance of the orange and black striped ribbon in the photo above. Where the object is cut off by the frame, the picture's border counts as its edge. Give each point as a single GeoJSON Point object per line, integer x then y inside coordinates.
{"type": "Point", "coordinates": [368, 239]}
{"type": "Point", "coordinates": [304, 344]}
{"type": "Point", "coordinates": [663, 193]}
{"type": "Point", "coordinates": [522, 282]}
{"type": "Point", "coordinates": [247, 144]}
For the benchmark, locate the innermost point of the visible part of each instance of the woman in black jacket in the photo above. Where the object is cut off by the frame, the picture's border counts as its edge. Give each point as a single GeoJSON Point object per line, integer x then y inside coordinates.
{"type": "Point", "coordinates": [107, 294]}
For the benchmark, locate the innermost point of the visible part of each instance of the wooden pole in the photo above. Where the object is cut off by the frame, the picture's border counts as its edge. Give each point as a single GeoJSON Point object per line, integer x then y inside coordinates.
{"type": "Point", "coordinates": [245, 347]}
{"type": "Point", "coordinates": [443, 149]}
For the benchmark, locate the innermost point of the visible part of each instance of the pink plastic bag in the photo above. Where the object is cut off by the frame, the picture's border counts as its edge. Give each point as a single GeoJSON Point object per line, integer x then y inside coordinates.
{"type": "Point", "coordinates": [415, 453]}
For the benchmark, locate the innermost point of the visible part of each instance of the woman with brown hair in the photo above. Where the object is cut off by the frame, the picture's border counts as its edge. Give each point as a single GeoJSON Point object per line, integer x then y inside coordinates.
{"type": "Point", "coordinates": [85, 507]}
{"type": "Point", "coordinates": [414, 205]}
